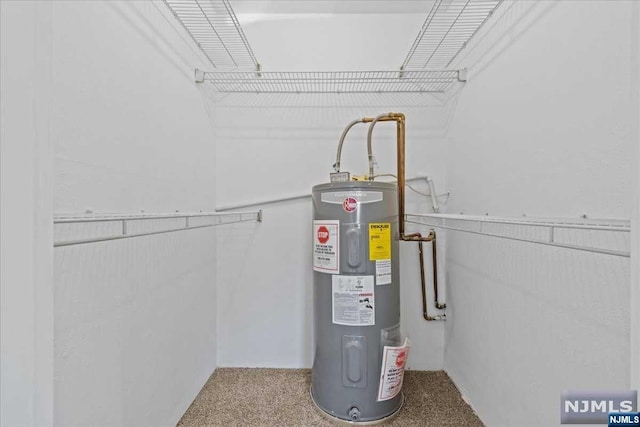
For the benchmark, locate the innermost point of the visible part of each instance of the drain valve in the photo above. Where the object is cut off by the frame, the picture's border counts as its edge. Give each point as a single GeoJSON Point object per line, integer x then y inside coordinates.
{"type": "Point", "coordinates": [354, 413]}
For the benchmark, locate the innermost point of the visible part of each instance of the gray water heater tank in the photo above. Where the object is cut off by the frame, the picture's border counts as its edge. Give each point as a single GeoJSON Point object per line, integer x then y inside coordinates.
{"type": "Point", "coordinates": [356, 297]}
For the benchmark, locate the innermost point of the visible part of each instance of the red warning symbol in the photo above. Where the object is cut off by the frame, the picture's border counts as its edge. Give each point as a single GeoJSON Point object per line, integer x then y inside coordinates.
{"type": "Point", "coordinates": [401, 358]}
{"type": "Point", "coordinates": [323, 234]}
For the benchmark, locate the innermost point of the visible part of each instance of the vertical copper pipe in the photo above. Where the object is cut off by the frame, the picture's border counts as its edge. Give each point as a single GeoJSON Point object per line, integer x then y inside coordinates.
{"type": "Point", "coordinates": [420, 239]}
{"type": "Point", "coordinates": [425, 314]}
{"type": "Point", "coordinates": [435, 271]}
{"type": "Point", "coordinates": [399, 118]}
{"type": "Point", "coordinates": [400, 160]}
{"type": "Point", "coordinates": [434, 257]}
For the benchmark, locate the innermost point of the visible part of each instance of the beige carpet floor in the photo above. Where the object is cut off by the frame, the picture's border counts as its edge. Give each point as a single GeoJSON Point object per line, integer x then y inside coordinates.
{"type": "Point", "coordinates": [280, 397]}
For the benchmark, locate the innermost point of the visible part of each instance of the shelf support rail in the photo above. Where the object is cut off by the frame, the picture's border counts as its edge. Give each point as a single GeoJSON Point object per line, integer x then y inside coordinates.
{"type": "Point", "coordinates": [127, 220]}
{"type": "Point", "coordinates": [441, 221]}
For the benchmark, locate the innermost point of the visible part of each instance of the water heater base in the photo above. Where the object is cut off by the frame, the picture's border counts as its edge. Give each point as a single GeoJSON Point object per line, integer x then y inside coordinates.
{"type": "Point", "coordinates": [344, 422]}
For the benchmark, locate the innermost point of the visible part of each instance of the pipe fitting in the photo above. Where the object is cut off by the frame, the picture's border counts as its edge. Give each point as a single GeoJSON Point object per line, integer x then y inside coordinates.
{"type": "Point", "coordinates": [354, 413]}
{"type": "Point", "coordinates": [431, 318]}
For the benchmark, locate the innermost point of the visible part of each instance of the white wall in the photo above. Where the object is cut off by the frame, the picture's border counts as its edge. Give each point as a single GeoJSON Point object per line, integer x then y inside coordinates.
{"type": "Point", "coordinates": [543, 127]}
{"type": "Point", "coordinates": [635, 227]}
{"type": "Point", "coordinates": [135, 319]}
{"type": "Point", "coordinates": [130, 125]}
{"type": "Point", "coordinates": [274, 146]}
{"type": "Point", "coordinates": [331, 41]}
{"type": "Point", "coordinates": [135, 328]}
{"type": "Point", "coordinates": [26, 295]}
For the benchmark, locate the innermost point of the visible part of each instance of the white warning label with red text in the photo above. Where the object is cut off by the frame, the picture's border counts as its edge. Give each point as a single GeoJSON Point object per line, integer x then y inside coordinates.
{"type": "Point", "coordinates": [353, 300]}
{"type": "Point", "coordinates": [326, 246]}
{"type": "Point", "coordinates": [394, 360]}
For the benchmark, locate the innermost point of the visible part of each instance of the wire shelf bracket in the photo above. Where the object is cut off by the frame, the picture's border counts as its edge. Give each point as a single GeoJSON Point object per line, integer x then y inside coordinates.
{"type": "Point", "coordinates": [446, 31]}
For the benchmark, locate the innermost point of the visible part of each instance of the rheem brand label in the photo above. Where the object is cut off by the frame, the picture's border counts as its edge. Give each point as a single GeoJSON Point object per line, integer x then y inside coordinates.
{"type": "Point", "coordinates": [350, 204]}
{"type": "Point", "coordinates": [326, 246]}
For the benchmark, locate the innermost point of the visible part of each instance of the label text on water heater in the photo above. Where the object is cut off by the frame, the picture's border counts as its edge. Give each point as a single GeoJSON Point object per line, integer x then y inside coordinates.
{"type": "Point", "coordinates": [326, 246]}
{"type": "Point", "coordinates": [379, 241]}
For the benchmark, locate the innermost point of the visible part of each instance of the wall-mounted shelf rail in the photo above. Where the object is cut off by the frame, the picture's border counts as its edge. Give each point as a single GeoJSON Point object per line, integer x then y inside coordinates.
{"type": "Point", "coordinates": [446, 31]}
{"type": "Point", "coordinates": [81, 229]}
{"type": "Point", "coordinates": [611, 237]}
{"type": "Point", "coordinates": [213, 26]}
{"type": "Point", "coordinates": [333, 81]}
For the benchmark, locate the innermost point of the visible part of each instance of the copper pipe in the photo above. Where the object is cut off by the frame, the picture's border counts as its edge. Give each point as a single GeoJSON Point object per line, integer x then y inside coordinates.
{"type": "Point", "coordinates": [434, 257]}
{"type": "Point", "coordinates": [425, 313]}
{"type": "Point", "coordinates": [399, 118]}
{"type": "Point", "coordinates": [419, 238]}
{"type": "Point", "coordinates": [400, 166]}
{"type": "Point", "coordinates": [435, 272]}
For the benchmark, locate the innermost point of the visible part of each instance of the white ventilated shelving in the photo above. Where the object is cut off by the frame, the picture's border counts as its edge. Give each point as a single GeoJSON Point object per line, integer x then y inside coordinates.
{"type": "Point", "coordinates": [213, 26]}
{"type": "Point", "coordinates": [611, 237]}
{"type": "Point", "coordinates": [333, 81]}
{"type": "Point", "coordinates": [446, 31]}
{"type": "Point", "coordinates": [448, 27]}
{"type": "Point", "coordinates": [69, 230]}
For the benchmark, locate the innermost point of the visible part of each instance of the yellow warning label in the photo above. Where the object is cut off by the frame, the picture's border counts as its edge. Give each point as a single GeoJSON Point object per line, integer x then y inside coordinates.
{"type": "Point", "coordinates": [379, 241]}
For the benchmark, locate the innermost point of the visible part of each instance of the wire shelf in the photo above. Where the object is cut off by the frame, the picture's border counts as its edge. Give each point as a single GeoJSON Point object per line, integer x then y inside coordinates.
{"type": "Point", "coordinates": [333, 81]}
{"type": "Point", "coordinates": [213, 26]}
{"type": "Point", "coordinates": [611, 237]}
{"type": "Point", "coordinates": [447, 29]}
{"type": "Point", "coordinates": [81, 229]}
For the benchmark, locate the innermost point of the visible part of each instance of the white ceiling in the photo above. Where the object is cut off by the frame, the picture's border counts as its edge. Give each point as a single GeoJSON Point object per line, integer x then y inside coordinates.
{"type": "Point", "coordinates": [331, 6]}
